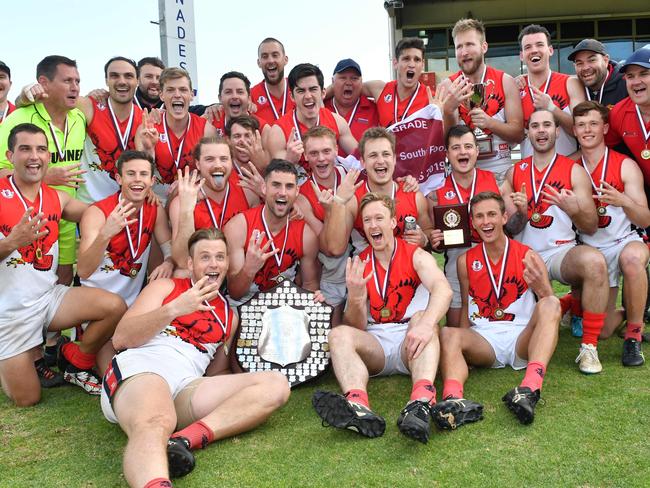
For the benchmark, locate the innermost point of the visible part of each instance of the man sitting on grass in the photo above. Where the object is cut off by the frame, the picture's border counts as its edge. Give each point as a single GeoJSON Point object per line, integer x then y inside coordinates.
{"type": "Point", "coordinates": [501, 323]}
{"type": "Point", "coordinates": [155, 386]}
{"type": "Point", "coordinates": [390, 327]}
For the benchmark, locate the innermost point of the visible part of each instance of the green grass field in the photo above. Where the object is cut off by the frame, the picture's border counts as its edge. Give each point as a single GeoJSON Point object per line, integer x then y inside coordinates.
{"type": "Point", "coordinates": [589, 432]}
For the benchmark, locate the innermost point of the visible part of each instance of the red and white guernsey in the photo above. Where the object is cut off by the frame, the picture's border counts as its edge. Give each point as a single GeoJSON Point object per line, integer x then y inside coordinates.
{"type": "Point", "coordinates": [548, 226]}
{"type": "Point", "coordinates": [173, 152]}
{"type": "Point", "coordinates": [106, 138]}
{"type": "Point", "coordinates": [391, 291]}
{"type": "Point", "coordinates": [209, 213]}
{"type": "Point", "coordinates": [28, 273]}
{"type": "Point", "coordinates": [556, 87]}
{"type": "Point", "coordinates": [286, 261]}
{"type": "Point", "coordinates": [362, 116]}
{"type": "Point", "coordinates": [498, 291]}
{"type": "Point", "coordinates": [392, 110]}
{"type": "Point", "coordinates": [498, 158]}
{"type": "Point", "coordinates": [124, 265]}
{"type": "Point", "coordinates": [613, 224]}
{"type": "Point", "coordinates": [270, 108]}
{"type": "Point", "coordinates": [453, 193]}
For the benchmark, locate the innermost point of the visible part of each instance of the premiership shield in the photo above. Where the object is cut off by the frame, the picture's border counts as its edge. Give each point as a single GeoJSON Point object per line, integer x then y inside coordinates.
{"type": "Point", "coordinates": [283, 329]}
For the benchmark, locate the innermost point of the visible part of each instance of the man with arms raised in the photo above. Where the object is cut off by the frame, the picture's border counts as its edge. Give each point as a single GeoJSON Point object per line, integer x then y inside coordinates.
{"type": "Point", "coordinates": [155, 386]}
{"type": "Point", "coordinates": [265, 245]}
{"type": "Point", "coordinates": [31, 302]}
{"type": "Point", "coordinates": [547, 89]}
{"type": "Point", "coordinates": [307, 91]}
{"type": "Point", "coordinates": [271, 95]}
{"type": "Point", "coordinates": [464, 181]}
{"type": "Point", "coordinates": [510, 318]}
{"type": "Point", "coordinates": [116, 233]}
{"type": "Point", "coordinates": [58, 81]}
{"type": "Point", "coordinates": [358, 110]}
{"type": "Point", "coordinates": [377, 150]}
{"type": "Point", "coordinates": [618, 188]}
{"type": "Point", "coordinates": [222, 197]}
{"type": "Point", "coordinates": [390, 327]}
{"type": "Point", "coordinates": [498, 121]}
{"type": "Point", "coordinates": [547, 195]}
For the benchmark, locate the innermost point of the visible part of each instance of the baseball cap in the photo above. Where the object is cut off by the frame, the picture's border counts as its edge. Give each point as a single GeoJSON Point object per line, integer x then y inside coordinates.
{"type": "Point", "coordinates": [587, 45]}
{"type": "Point", "coordinates": [347, 64]}
{"type": "Point", "coordinates": [5, 68]}
{"type": "Point", "coordinates": [640, 57]}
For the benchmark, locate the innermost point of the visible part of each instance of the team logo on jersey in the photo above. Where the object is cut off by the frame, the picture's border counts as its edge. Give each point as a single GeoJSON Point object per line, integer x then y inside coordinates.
{"type": "Point", "coordinates": [261, 99]}
{"type": "Point", "coordinates": [522, 93]}
{"type": "Point", "coordinates": [388, 97]}
{"type": "Point", "coordinates": [101, 106]}
{"type": "Point", "coordinates": [477, 265]}
{"type": "Point", "coordinates": [7, 193]}
{"type": "Point", "coordinates": [163, 137]}
{"type": "Point", "coordinates": [450, 195]}
{"type": "Point", "coordinates": [523, 166]}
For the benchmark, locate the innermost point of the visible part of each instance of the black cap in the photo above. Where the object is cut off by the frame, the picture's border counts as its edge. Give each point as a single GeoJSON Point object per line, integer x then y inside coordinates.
{"type": "Point", "coordinates": [4, 68]}
{"type": "Point", "coordinates": [587, 45]}
{"type": "Point", "coordinates": [347, 64]}
{"type": "Point", "coordinates": [640, 57]}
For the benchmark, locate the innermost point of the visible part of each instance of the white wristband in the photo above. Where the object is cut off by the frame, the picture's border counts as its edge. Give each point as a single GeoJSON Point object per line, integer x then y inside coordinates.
{"type": "Point", "coordinates": [551, 106]}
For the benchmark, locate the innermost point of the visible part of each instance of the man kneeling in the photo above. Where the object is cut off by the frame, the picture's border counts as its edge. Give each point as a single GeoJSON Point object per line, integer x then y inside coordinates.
{"type": "Point", "coordinates": [399, 336]}
{"type": "Point", "coordinates": [171, 334]}
{"type": "Point", "coordinates": [499, 280]}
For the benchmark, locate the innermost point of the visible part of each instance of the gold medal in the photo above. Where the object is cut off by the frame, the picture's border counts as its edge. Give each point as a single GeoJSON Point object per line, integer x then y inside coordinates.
{"type": "Point", "coordinates": [499, 313]}
{"type": "Point", "coordinates": [645, 154]}
{"type": "Point", "coordinates": [133, 272]}
{"type": "Point", "coordinates": [536, 217]}
{"type": "Point", "coordinates": [385, 313]}
{"type": "Point", "coordinates": [39, 253]}
{"type": "Point", "coordinates": [602, 211]}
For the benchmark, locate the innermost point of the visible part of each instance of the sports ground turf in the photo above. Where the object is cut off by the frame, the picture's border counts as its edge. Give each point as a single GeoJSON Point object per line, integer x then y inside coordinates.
{"type": "Point", "coordinates": [589, 432]}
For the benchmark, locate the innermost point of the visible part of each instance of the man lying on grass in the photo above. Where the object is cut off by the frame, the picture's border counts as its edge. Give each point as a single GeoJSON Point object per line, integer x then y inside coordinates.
{"type": "Point", "coordinates": [501, 322]}
{"type": "Point", "coordinates": [155, 387]}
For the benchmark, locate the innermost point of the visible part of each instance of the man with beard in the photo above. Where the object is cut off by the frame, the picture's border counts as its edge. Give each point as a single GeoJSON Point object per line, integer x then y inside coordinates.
{"type": "Point", "coordinates": [117, 231]}
{"type": "Point", "coordinates": [497, 120]}
{"type": "Point", "coordinates": [31, 303]}
{"type": "Point", "coordinates": [155, 388]}
{"type": "Point", "coordinates": [547, 194]}
{"type": "Point", "coordinates": [510, 318]}
{"type": "Point", "coordinates": [221, 195]}
{"type": "Point", "coordinates": [265, 245]}
{"type": "Point", "coordinates": [271, 95]}
{"type": "Point", "coordinates": [6, 107]}
{"type": "Point", "coordinates": [358, 110]}
{"type": "Point", "coordinates": [543, 88]}
{"type": "Point", "coordinates": [147, 94]}
{"type": "Point", "coordinates": [396, 296]}
{"type": "Point", "coordinates": [243, 132]}
{"type": "Point", "coordinates": [618, 188]}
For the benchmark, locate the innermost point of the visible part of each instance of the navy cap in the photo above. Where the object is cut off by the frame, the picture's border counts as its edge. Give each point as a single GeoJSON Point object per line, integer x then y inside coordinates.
{"type": "Point", "coordinates": [640, 57]}
{"type": "Point", "coordinates": [587, 45]}
{"type": "Point", "coordinates": [4, 68]}
{"type": "Point", "coordinates": [347, 64]}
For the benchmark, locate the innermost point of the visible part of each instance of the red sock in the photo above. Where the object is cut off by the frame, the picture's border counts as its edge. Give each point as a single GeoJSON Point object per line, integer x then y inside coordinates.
{"type": "Point", "coordinates": [534, 377]}
{"type": "Point", "coordinates": [565, 303]}
{"type": "Point", "coordinates": [198, 434]}
{"type": "Point", "coordinates": [634, 331]}
{"type": "Point", "coordinates": [358, 396]}
{"type": "Point", "coordinates": [424, 389]}
{"type": "Point", "coordinates": [159, 483]}
{"type": "Point", "coordinates": [452, 389]}
{"type": "Point", "coordinates": [77, 358]}
{"type": "Point", "coordinates": [576, 307]}
{"type": "Point", "coordinates": [592, 324]}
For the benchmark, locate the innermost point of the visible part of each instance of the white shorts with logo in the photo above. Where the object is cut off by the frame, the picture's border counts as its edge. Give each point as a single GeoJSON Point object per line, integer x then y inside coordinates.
{"type": "Point", "coordinates": [612, 255]}
{"type": "Point", "coordinates": [19, 332]}
{"type": "Point", "coordinates": [553, 260]}
{"type": "Point", "coordinates": [391, 337]}
{"type": "Point", "coordinates": [502, 337]}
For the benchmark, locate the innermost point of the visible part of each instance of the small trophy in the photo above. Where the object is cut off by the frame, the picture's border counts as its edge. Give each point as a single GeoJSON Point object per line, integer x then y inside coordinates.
{"type": "Point", "coordinates": [484, 141]}
{"type": "Point", "coordinates": [478, 96]}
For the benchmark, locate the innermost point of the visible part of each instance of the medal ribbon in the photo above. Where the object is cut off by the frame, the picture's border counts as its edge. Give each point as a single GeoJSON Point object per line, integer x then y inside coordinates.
{"type": "Point", "coordinates": [134, 250]}
{"type": "Point", "coordinates": [123, 138]}
{"type": "Point", "coordinates": [392, 193]}
{"type": "Point", "coordinates": [216, 316]}
{"type": "Point", "coordinates": [22, 199]}
{"type": "Point", "coordinates": [646, 133]}
{"type": "Point", "coordinates": [60, 150]}
{"type": "Point", "coordinates": [488, 265]}
{"type": "Point", "coordinates": [284, 100]}
{"type": "Point", "coordinates": [382, 292]}
{"type": "Point", "coordinates": [352, 114]}
{"type": "Point", "coordinates": [337, 175]}
{"type": "Point", "coordinates": [600, 92]}
{"type": "Point", "coordinates": [213, 218]}
{"type": "Point", "coordinates": [296, 124]}
{"type": "Point", "coordinates": [603, 171]}
{"type": "Point", "coordinates": [278, 260]}
{"type": "Point", "coordinates": [457, 190]}
{"type": "Point", "coordinates": [538, 192]}
{"type": "Point", "coordinates": [546, 85]}
{"type": "Point", "coordinates": [177, 158]}
{"type": "Point", "coordinates": [415, 93]}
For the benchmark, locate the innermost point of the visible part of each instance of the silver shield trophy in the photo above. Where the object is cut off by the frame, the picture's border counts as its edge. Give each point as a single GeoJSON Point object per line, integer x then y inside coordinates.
{"type": "Point", "coordinates": [283, 329]}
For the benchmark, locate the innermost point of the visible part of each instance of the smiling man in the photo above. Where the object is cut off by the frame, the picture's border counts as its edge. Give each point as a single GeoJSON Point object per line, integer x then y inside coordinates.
{"type": "Point", "coordinates": [6, 107]}
{"type": "Point", "coordinates": [147, 94]}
